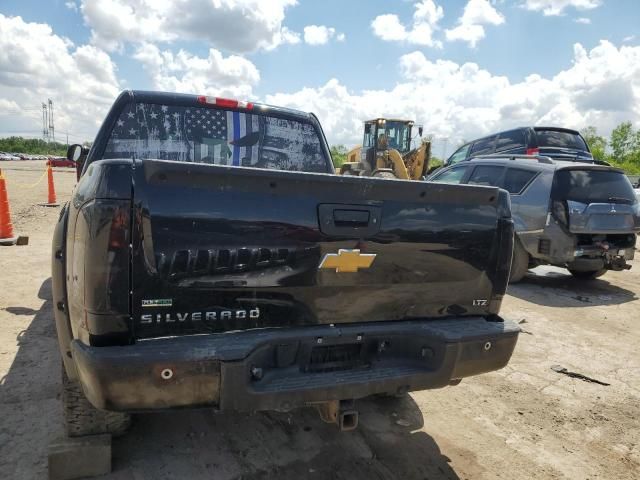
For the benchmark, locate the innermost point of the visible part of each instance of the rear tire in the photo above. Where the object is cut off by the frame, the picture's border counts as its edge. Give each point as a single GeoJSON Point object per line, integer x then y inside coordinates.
{"type": "Point", "coordinates": [588, 275]}
{"type": "Point", "coordinates": [519, 262]}
{"type": "Point", "coordinates": [82, 418]}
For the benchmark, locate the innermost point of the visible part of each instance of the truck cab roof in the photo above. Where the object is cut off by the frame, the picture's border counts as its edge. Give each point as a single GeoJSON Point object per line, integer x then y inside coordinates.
{"type": "Point", "coordinates": [169, 98]}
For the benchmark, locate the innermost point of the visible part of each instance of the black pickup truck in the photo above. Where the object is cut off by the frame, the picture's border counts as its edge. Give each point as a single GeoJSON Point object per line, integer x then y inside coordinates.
{"type": "Point", "coordinates": [210, 257]}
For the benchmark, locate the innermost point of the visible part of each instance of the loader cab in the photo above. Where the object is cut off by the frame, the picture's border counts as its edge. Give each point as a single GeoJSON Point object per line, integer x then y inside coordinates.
{"type": "Point", "coordinates": [397, 133]}
{"type": "Point", "coordinates": [381, 134]}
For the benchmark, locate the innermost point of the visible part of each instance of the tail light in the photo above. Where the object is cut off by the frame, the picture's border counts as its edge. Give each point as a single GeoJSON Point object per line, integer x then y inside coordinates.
{"type": "Point", "coordinates": [119, 232]}
{"type": "Point", "coordinates": [103, 226]}
{"type": "Point", "coordinates": [533, 151]}
{"type": "Point", "coordinates": [559, 212]}
{"type": "Point", "coordinates": [224, 102]}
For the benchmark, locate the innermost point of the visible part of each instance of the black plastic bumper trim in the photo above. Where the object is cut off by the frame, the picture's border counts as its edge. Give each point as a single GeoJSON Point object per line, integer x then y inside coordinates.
{"type": "Point", "coordinates": [221, 370]}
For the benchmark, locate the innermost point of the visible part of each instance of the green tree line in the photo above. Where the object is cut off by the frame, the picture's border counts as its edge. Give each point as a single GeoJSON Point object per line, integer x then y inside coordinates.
{"type": "Point", "coordinates": [32, 146]}
{"type": "Point", "coordinates": [621, 149]}
{"type": "Point", "coordinates": [338, 155]}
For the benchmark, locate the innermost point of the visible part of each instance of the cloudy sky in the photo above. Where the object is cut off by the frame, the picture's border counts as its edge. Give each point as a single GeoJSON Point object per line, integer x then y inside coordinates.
{"type": "Point", "coordinates": [462, 68]}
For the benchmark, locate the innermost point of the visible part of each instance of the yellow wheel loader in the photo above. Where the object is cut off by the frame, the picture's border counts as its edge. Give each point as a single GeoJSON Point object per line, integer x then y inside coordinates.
{"type": "Point", "coordinates": [386, 152]}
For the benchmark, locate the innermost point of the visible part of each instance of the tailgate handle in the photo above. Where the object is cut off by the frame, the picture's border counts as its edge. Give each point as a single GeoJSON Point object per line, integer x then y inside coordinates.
{"type": "Point", "coordinates": [351, 218]}
{"type": "Point", "coordinates": [355, 221]}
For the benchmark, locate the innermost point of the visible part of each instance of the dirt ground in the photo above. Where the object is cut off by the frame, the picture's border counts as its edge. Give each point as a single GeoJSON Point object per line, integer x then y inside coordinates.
{"type": "Point", "coordinates": [525, 421]}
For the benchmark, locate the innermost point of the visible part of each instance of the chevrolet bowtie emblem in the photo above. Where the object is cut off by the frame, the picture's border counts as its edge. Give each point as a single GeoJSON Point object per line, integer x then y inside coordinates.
{"type": "Point", "coordinates": [347, 260]}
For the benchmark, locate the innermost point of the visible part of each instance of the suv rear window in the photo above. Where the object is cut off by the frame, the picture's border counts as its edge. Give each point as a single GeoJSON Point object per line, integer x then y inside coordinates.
{"type": "Point", "coordinates": [215, 136]}
{"type": "Point", "coordinates": [486, 175]}
{"type": "Point", "coordinates": [510, 140]}
{"type": "Point", "coordinates": [451, 176]}
{"type": "Point", "coordinates": [516, 179]}
{"type": "Point", "coordinates": [560, 139]}
{"type": "Point", "coordinates": [482, 146]}
{"type": "Point", "coordinates": [593, 186]}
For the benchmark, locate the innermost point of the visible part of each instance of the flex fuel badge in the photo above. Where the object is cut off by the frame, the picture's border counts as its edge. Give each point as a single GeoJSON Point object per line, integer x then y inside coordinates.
{"type": "Point", "coordinates": [157, 302]}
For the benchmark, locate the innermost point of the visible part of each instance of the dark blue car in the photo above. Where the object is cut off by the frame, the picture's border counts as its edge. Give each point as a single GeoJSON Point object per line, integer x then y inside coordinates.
{"type": "Point", "coordinates": [554, 142]}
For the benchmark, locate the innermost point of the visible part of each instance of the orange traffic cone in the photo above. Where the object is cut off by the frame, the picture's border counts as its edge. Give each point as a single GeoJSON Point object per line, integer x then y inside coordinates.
{"type": "Point", "coordinates": [51, 197]}
{"type": "Point", "coordinates": [6, 227]}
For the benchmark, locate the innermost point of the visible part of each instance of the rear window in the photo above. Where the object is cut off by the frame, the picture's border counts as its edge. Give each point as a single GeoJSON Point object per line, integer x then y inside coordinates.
{"type": "Point", "coordinates": [486, 175]}
{"type": "Point", "coordinates": [213, 136]}
{"type": "Point", "coordinates": [593, 186]}
{"type": "Point", "coordinates": [451, 176]}
{"type": "Point", "coordinates": [510, 140]}
{"type": "Point", "coordinates": [516, 179]}
{"type": "Point", "coordinates": [482, 146]}
{"type": "Point", "coordinates": [560, 139]}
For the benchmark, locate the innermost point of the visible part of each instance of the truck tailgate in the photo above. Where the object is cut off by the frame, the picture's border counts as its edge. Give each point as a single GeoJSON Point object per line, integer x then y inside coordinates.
{"type": "Point", "coordinates": [220, 248]}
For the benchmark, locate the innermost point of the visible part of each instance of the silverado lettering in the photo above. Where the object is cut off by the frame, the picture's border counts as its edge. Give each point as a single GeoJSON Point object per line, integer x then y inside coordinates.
{"type": "Point", "coordinates": [199, 316]}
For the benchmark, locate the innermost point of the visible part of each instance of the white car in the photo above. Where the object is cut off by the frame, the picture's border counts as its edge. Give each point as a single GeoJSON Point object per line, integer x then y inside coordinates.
{"type": "Point", "coordinates": [7, 156]}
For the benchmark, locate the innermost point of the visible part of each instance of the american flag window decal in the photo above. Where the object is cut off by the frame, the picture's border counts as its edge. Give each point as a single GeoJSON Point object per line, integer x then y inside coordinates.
{"type": "Point", "coordinates": [215, 136]}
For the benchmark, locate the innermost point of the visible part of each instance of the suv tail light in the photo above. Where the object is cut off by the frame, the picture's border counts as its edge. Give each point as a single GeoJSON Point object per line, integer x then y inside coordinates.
{"type": "Point", "coordinates": [533, 151]}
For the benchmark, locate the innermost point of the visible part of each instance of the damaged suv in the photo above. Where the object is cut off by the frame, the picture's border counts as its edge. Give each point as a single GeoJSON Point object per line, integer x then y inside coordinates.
{"type": "Point", "coordinates": [583, 217]}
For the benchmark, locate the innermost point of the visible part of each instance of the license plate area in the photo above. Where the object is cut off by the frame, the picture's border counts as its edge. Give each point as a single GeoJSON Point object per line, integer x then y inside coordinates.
{"type": "Point", "coordinates": [330, 358]}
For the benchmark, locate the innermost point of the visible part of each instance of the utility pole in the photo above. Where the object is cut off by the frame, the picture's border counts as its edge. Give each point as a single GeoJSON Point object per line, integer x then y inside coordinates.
{"type": "Point", "coordinates": [45, 122]}
{"type": "Point", "coordinates": [52, 132]}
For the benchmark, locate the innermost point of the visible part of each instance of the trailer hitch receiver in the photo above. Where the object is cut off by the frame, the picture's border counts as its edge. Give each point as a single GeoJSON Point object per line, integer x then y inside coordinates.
{"type": "Point", "coordinates": [340, 412]}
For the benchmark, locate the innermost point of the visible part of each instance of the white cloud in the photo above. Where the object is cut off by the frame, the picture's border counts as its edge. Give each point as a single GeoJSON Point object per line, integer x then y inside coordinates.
{"type": "Point", "coordinates": [6, 105]}
{"type": "Point", "coordinates": [287, 36]}
{"type": "Point", "coordinates": [470, 27]}
{"type": "Point", "coordinates": [389, 28]}
{"type": "Point", "coordinates": [425, 22]}
{"type": "Point", "coordinates": [629, 38]}
{"type": "Point", "coordinates": [583, 20]}
{"type": "Point", "coordinates": [235, 25]}
{"type": "Point", "coordinates": [320, 34]}
{"type": "Point", "coordinates": [231, 76]}
{"type": "Point", "coordinates": [464, 101]}
{"type": "Point", "coordinates": [36, 64]}
{"type": "Point", "coordinates": [71, 5]}
{"type": "Point", "coordinates": [458, 101]}
{"type": "Point", "coordinates": [557, 7]}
